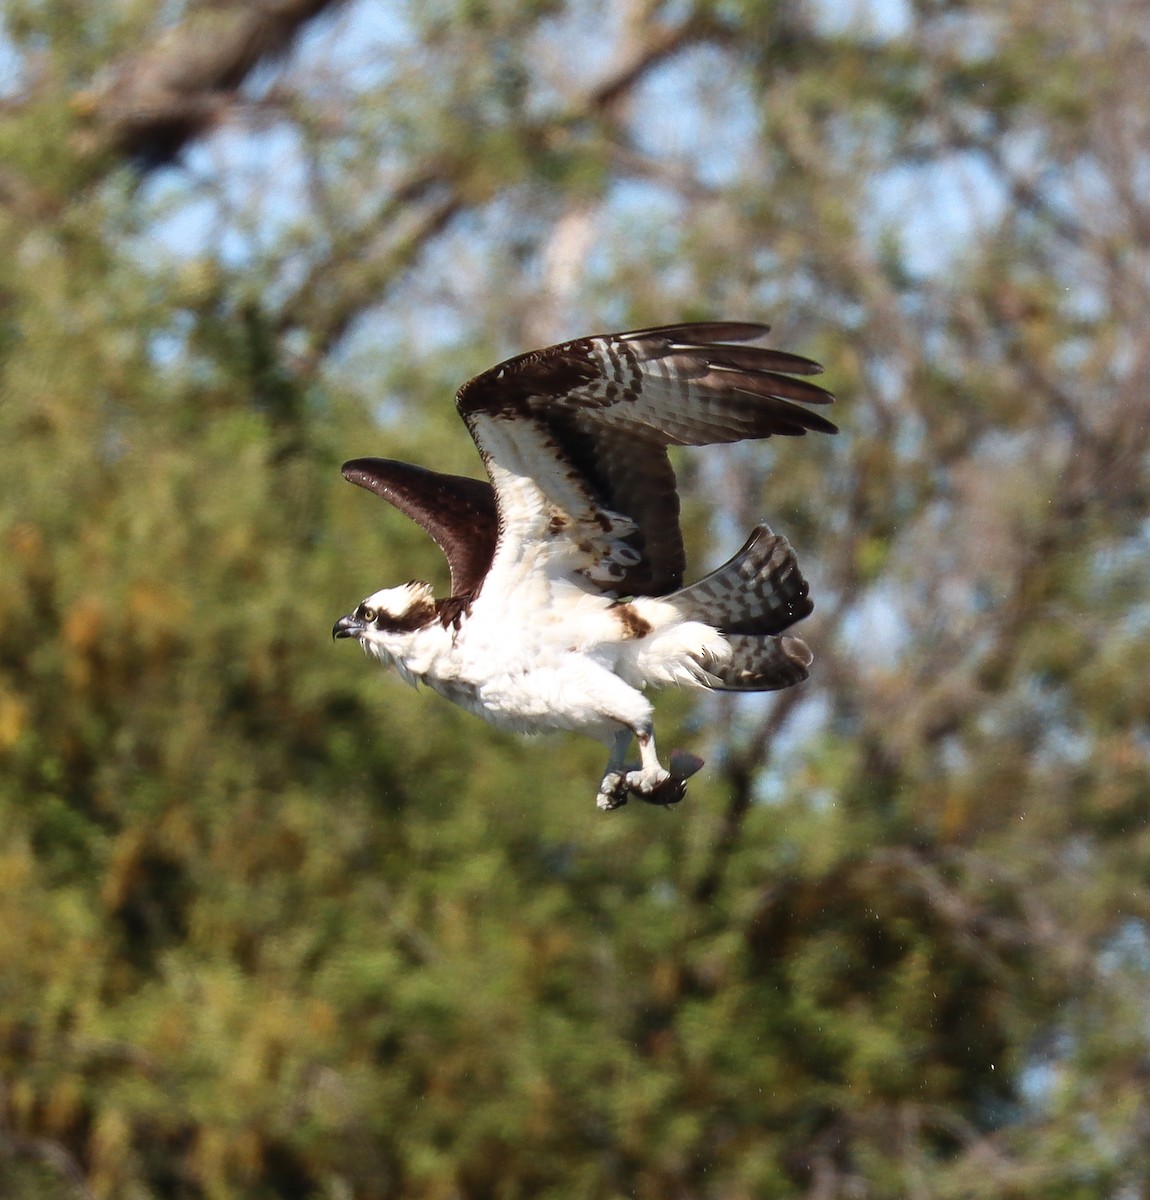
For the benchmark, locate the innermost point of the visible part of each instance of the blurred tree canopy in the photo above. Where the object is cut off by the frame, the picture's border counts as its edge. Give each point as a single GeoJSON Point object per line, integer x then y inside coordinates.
{"type": "Point", "coordinates": [271, 925]}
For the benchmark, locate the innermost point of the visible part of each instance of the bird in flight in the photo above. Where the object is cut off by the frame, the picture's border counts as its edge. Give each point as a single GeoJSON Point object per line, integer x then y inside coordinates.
{"type": "Point", "coordinates": [567, 596]}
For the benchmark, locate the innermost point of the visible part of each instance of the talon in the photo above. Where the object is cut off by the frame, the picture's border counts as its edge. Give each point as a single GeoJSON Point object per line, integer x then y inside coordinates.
{"type": "Point", "coordinates": [646, 780]}
{"type": "Point", "coordinates": [673, 787]}
{"type": "Point", "coordinates": [651, 784]}
{"type": "Point", "coordinates": [667, 793]}
{"type": "Point", "coordinates": [612, 792]}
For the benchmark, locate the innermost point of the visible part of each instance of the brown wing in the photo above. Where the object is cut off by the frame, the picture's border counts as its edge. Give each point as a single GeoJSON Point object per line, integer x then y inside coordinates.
{"type": "Point", "coordinates": [458, 512]}
{"type": "Point", "coordinates": [594, 417]}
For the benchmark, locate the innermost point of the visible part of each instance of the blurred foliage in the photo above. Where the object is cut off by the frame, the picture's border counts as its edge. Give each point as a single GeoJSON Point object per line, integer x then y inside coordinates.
{"type": "Point", "coordinates": [272, 925]}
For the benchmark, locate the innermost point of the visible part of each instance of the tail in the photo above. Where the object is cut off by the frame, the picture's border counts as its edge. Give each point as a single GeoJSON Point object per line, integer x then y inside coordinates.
{"type": "Point", "coordinates": [760, 591]}
{"type": "Point", "coordinates": [750, 600]}
{"type": "Point", "coordinates": [762, 664]}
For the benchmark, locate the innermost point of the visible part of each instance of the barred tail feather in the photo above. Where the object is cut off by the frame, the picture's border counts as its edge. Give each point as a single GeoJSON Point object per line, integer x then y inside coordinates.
{"type": "Point", "coordinates": [761, 591]}
{"type": "Point", "coordinates": [762, 664]}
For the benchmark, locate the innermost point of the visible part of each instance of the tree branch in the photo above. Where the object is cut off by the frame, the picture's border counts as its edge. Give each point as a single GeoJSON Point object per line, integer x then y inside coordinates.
{"type": "Point", "coordinates": [178, 87]}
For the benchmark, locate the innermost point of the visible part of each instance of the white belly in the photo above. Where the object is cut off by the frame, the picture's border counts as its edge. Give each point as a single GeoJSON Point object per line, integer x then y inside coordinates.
{"type": "Point", "coordinates": [568, 692]}
{"type": "Point", "coordinates": [570, 665]}
{"type": "Point", "coordinates": [558, 673]}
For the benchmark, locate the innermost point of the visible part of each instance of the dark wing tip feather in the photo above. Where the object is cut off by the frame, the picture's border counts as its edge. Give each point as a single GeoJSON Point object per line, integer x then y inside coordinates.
{"type": "Point", "coordinates": [702, 355]}
{"type": "Point", "coordinates": [458, 512]}
{"type": "Point", "coordinates": [755, 358]}
{"type": "Point", "coordinates": [362, 472]}
{"type": "Point", "coordinates": [698, 333]}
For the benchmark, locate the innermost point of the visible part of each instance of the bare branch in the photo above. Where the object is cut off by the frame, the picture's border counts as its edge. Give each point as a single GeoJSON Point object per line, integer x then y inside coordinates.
{"type": "Point", "coordinates": [174, 90]}
{"type": "Point", "coordinates": [370, 258]}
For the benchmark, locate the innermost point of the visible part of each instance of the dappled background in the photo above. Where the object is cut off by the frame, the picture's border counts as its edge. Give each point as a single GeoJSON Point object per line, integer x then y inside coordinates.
{"type": "Point", "coordinates": [273, 925]}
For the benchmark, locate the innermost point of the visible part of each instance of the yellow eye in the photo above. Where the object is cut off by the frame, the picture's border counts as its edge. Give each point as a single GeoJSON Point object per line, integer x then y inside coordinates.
{"type": "Point", "coordinates": [369, 614]}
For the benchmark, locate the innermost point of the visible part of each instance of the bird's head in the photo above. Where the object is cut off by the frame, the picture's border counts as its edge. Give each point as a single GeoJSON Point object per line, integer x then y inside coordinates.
{"type": "Point", "coordinates": [384, 622]}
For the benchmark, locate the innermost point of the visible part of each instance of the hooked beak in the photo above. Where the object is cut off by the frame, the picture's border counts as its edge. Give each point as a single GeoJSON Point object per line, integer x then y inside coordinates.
{"type": "Point", "coordinates": [347, 627]}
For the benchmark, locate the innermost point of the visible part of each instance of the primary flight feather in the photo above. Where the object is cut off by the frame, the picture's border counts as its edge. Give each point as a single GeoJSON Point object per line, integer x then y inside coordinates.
{"type": "Point", "coordinates": [567, 595]}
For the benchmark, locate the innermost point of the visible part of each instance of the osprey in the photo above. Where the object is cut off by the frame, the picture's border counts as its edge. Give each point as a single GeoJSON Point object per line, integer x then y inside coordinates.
{"type": "Point", "coordinates": [567, 596]}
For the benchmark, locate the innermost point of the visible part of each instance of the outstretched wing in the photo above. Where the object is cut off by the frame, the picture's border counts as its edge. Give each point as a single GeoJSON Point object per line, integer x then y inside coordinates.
{"type": "Point", "coordinates": [575, 440]}
{"type": "Point", "coordinates": [459, 513]}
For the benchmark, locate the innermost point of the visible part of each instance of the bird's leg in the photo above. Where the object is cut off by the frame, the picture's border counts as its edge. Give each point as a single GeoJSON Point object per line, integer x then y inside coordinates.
{"type": "Point", "coordinates": [649, 781]}
{"type": "Point", "coordinates": [613, 786]}
{"type": "Point", "coordinates": [651, 772]}
{"type": "Point", "coordinates": [669, 787]}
